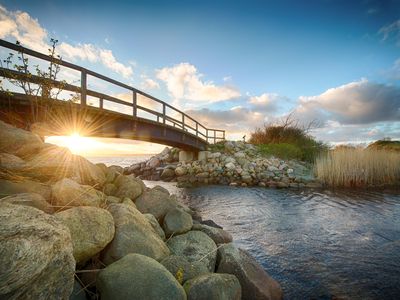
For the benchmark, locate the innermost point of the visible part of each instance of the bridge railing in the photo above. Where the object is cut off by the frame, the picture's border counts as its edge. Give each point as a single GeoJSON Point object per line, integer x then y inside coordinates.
{"type": "Point", "coordinates": [178, 119]}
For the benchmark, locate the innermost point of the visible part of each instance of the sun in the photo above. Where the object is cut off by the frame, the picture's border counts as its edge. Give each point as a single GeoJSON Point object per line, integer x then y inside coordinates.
{"type": "Point", "coordinates": [78, 144]}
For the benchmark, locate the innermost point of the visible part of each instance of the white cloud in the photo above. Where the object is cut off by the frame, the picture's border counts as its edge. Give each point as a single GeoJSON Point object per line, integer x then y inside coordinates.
{"type": "Point", "coordinates": [149, 84]}
{"type": "Point", "coordinates": [184, 82]}
{"type": "Point", "coordinates": [265, 102]}
{"type": "Point", "coordinates": [28, 31]}
{"type": "Point", "coordinates": [391, 30]}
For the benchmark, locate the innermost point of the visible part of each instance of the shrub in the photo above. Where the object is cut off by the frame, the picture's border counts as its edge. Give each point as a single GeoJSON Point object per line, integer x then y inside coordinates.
{"type": "Point", "coordinates": [358, 167]}
{"type": "Point", "coordinates": [274, 139]}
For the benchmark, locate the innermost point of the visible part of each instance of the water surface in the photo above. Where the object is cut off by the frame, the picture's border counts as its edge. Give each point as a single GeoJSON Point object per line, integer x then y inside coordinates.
{"type": "Point", "coordinates": [318, 245]}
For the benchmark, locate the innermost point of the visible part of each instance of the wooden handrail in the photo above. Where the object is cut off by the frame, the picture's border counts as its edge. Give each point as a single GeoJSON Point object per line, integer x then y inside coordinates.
{"type": "Point", "coordinates": [84, 92]}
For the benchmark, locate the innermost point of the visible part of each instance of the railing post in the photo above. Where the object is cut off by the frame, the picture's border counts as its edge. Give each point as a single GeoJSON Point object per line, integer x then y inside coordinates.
{"type": "Point", "coordinates": [215, 136]}
{"type": "Point", "coordinates": [197, 129]}
{"type": "Point", "coordinates": [134, 103]}
{"type": "Point", "coordinates": [183, 121]}
{"type": "Point", "coordinates": [101, 103]}
{"type": "Point", "coordinates": [83, 86]}
{"type": "Point", "coordinates": [223, 135]}
{"type": "Point", "coordinates": [163, 112]}
{"type": "Point", "coordinates": [207, 135]}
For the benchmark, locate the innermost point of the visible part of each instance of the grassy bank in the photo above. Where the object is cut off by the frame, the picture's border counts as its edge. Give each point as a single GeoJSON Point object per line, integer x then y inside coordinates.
{"type": "Point", "coordinates": [358, 167]}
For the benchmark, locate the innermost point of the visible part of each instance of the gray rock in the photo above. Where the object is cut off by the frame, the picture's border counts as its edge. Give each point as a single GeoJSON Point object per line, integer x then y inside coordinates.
{"type": "Point", "coordinates": [156, 226]}
{"type": "Point", "coordinates": [128, 186]}
{"type": "Point", "coordinates": [213, 286]}
{"type": "Point", "coordinates": [112, 199]}
{"type": "Point", "coordinates": [67, 193]}
{"type": "Point", "coordinates": [18, 141]}
{"type": "Point", "coordinates": [36, 260]}
{"type": "Point", "coordinates": [195, 246]}
{"type": "Point", "coordinates": [29, 199]}
{"type": "Point", "coordinates": [133, 234]}
{"type": "Point", "coordinates": [91, 230]}
{"type": "Point", "coordinates": [78, 292]}
{"type": "Point", "coordinates": [11, 162]}
{"type": "Point", "coordinates": [26, 186]}
{"type": "Point", "coordinates": [182, 269]}
{"type": "Point", "coordinates": [157, 202]}
{"type": "Point", "coordinates": [177, 221]}
{"type": "Point", "coordinates": [180, 171]}
{"type": "Point", "coordinates": [230, 166]}
{"type": "Point", "coordinates": [138, 277]}
{"type": "Point", "coordinates": [211, 223]}
{"type": "Point", "coordinates": [109, 189]}
{"type": "Point", "coordinates": [153, 162]}
{"type": "Point", "coordinates": [167, 174]}
{"type": "Point", "coordinates": [219, 236]}
{"type": "Point", "coordinates": [255, 282]}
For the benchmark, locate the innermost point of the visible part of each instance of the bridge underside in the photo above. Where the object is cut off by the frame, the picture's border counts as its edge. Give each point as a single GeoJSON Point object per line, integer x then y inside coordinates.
{"type": "Point", "coordinates": [64, 118]}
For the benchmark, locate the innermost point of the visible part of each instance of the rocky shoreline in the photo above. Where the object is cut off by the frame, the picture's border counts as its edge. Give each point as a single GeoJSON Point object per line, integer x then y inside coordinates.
{"type": "Point", "coordinates": [226, 163]}
{"type": "Point", "coordinates": [70, 229]}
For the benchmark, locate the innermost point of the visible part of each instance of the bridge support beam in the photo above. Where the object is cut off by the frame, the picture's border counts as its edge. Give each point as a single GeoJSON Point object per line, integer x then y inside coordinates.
{"type": "Point", "coordinates": [186, 156]}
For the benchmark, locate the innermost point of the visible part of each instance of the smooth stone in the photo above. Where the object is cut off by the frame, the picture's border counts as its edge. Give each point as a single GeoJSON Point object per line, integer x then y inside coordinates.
{"type": "Point", "coordinates": [91, 230]}
{"type": "Point", "coordinates": [128, 186]}
{"type": "Point", "coordinates": [11, 162]}
{"type": "Point", "coordinates": [8, 187]}
{"type": "Point", "coordinates": [29, 199]}
{"type": "Point", "coordinates": [36, 255]}
{"type": "Point", "coordinates": [255, 282]}
{"type": "Point", "coordinates": [133, 234]}
{"type": "Point", "coordinates": [195, 246]}
{"type": "Point", "coordinates": [182, 269]}
{"type": "Point", "coordinates": [167, 174]}
{"type": "Point", "coordinates": [156, 226]}
{"type": "Point", "coordinates": [177, 221]}
{"type": "Point", "coordinates": [219, 236]}
{"type": "Point", "coordinates": [213, 286]}
{"type": "Point", "coordinates": [138, 277]}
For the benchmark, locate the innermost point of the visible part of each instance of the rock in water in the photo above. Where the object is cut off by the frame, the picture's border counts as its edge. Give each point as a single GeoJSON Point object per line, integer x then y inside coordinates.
{"type": "Point", "coordinates": [182, 269]}
{"type": "Point", "coordinates": [213, 286]}
{"type": "Point", "coordinates": [67, 193]}
{"type": "Point", "coordinates": [29, 199]}
{"type": "Point", "coordinates": [36, 260]}
{"type": "Point", "coordinates": [157, 202]}
{"type": "Point", "coordinates": [195, 246]}
{"type": "Point", "coordinates": [138, 277]}
{"type": "Point", "coordinates": [219, 236]}
{"type": "Point", "coordinates": [177, 222]}
{"type": "Point", "coordinates": [18, 141]}
{"type": "Point", "coordinates": [255, 282]}
{"type": "Point", "coordinates": [133, 234]}
{"type": "Point", "coordinates": [91, 230]}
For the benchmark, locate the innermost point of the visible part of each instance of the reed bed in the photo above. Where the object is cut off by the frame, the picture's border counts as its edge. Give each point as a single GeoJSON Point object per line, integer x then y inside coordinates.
{"type": "Point", "coordinates": [358, 168]}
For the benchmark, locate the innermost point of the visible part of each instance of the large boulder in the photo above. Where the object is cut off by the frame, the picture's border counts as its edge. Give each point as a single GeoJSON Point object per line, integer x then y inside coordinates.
{"type": "Point", "coordinates": [68, 193]}
{"type": "Point", "coordinates": [91, 230]}
{"type": "Point", "coordinates": [138, 277]}
{"type": "Point", "coordinates": [18, 141]}
{"type": "Point", "coordinates": [176, 222]}
{"type": "Point", "coordinates": [255, 282]}
{"type": "Point", "coordinates": [157, 202]}
{"type": "Point", "coordinates": [29, 199]}
{"type": "Point", "coordinates": [133, 234]}
{"type": "Point", "coordinates": [128, 186]}
{"type": "Point", "coordinates": [8, 187]}
{"type": "Point", "coordinates": [156, 226]}
{"type": "Point", "coordinates": [54, 163]}
{"type": "Point", "coordinates": [213, 286]}
{"type": "Point", "coordinates": [195, 246]}
{"type": "Point", "coordinates": [11, 162]}
{"type": "Point", "coordinates": [218, 235]}
{"type": "Point", "coordinates": [182, 269]}
{"type": "Point", "coordinates": [36, 260]}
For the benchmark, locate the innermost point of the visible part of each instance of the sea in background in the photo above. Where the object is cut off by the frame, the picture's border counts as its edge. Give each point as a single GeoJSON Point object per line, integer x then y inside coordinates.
{"type": "Point", "coordinates": [123, 161]}
{"type": "Point", "coordinates": [328, 244]}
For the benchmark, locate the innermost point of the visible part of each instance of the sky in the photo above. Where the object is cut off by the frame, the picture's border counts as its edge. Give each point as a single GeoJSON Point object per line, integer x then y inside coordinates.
{"type": "Point", "coordinates": [235, 65]}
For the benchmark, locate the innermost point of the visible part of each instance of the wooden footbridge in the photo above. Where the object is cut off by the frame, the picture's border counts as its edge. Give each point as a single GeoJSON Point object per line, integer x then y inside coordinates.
{"type": "Point", "coordinates": [132, 114]}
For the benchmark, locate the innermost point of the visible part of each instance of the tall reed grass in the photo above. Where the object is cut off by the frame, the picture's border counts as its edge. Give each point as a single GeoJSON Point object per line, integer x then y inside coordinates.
{"type": "Point", "coordinates": [358, 168]}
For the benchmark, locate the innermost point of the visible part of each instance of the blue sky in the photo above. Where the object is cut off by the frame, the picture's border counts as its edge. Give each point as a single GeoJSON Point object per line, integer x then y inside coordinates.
{"type": "Point", "coordinates": [238, 64]}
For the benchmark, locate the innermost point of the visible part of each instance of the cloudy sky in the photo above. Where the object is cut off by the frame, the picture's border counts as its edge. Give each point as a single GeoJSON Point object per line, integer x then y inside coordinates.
{"type": "Point", "coordinates": [236, 65]}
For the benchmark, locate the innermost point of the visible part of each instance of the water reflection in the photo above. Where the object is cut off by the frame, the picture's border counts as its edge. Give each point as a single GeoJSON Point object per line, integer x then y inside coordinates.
{"type": "Point", "coordinates": [319, 245]}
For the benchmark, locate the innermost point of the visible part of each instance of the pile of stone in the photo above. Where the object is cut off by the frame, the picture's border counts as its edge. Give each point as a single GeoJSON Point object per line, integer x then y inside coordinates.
{"type": "Point", "coordinates": [228, 163]}
{"type": "Point", "coordinates": [70, 229]}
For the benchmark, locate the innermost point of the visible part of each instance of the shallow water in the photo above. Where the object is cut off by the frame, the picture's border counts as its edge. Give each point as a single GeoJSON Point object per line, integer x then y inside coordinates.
{"type": "Point", "coordinates": [318, 245]}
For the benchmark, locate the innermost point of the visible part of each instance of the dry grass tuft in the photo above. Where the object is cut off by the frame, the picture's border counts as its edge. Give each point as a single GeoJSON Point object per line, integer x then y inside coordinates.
{"type": "Point", "coordinates": [358, 168]}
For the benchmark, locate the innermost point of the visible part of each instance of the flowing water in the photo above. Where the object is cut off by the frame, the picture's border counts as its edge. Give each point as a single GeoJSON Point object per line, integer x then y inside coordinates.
{"type": "Point", "coordinates": [318, 245]}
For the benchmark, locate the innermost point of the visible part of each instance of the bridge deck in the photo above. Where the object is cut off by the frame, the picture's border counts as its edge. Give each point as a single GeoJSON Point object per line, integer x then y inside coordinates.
{"type": "Point", "coordinates": [166, 125]}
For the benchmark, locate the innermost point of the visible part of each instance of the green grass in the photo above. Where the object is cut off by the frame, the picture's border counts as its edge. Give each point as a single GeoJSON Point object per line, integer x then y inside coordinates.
{"type": "Point", "coordinates": [385, 145]}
